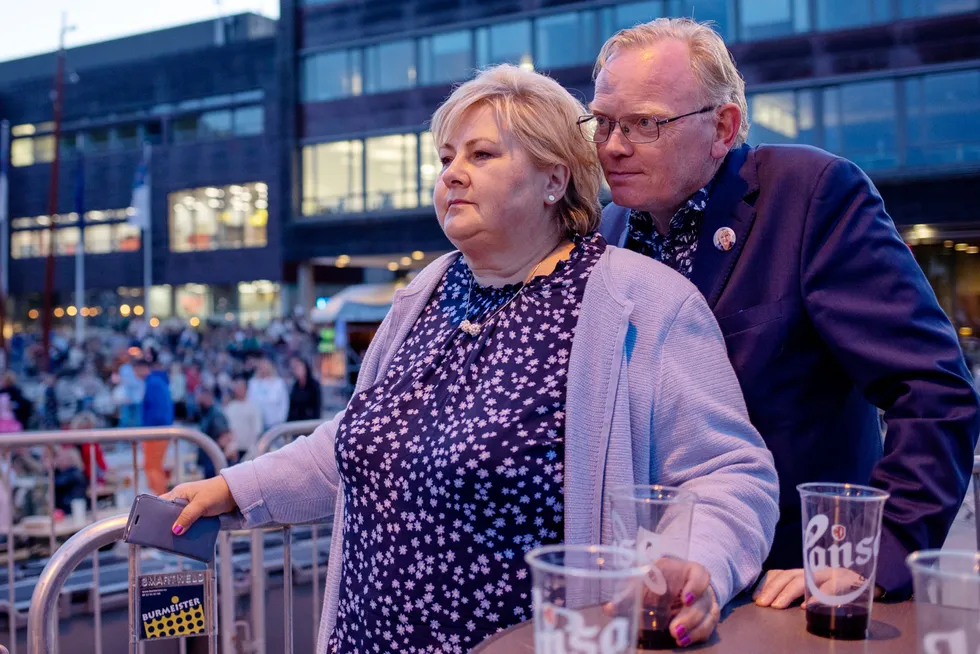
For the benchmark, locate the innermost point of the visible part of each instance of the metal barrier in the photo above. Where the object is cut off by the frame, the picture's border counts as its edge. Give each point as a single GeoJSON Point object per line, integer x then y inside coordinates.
{"type": "Point", "coordinates": [265, 444]}
{"type": "Point", "coordinates": [40, 623]}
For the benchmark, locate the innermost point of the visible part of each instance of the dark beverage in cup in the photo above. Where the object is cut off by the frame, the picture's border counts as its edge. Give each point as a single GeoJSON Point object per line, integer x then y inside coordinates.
{"type": "Point", "coordinates": [654, 633]}
{"type": "Point", "coordinates": [841, 536]}
{"type": "Point", "coordinates": [838, 622]}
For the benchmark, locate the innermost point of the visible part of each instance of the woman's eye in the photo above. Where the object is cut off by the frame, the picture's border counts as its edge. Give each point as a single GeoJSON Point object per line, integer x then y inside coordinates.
{"type": "Point", "coordinates": [445, 161]}
{"type": "Point", "coordinates": [481, 154]}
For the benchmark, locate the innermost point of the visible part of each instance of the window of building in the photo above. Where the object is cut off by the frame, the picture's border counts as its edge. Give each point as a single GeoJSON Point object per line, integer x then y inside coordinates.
{"type": "Point", "coordinates": [250, 121]}
{"type": "Point", "coordinates": [921, 8]}
{"type": "Point", "coordinates": [98, 239]}
{"type": "Point", "coordinates": [717, 11]}
{"type": "Point", "coordinates": [66, 240]}
{"type": "Point", "coordinates": [184, 128]}
{"type": "Point", "coordinates": [860, 123]}
{"type": "Point", "coordinates": [445, 57]}
{"type": "Point", "coordinates": [215, 218]}
{"type": "Point", "coordinates": [840, 14]}
{"type": "Point", "coordinates": [565, 40]}
{"type": "Point", "coordinates": [125, 237]}
{"type": "Point", "coordinates": [22, 152]}
{"type": "Point", "coordinates": [192, 300]}
{"type": "Point", "coordinates": [389, 66]}
{"type": "Point", "coordinates": [97, 140]}
{"type": "Point", "coordinates": [125, 137]}
{"type": "Point", "coordinates": [29, 244]}
{"type": "Point", "coordinates": [613, 19]}
{"type": "Point", "coordinates": [767, 19]}
{"type": "Point", "coordinates": [215, 124]}
{"type": "Point", "coordinates": [161, 305]}
{"type": "Point", "coordinates": [331, 75]}
{"type": "Point", "coordinates": [505, 43]}
{"type": "Point", "coordinates": [332, 178]}
{"type": "Point", "coordinates": [942, 118]}
{"type": "Point", "coordinates": [430, 167]}
{"type": "Point", "coordinates": [784, 117]}
{"type": "Point", "coordinates": [392, 172]}
{"type": "Point", "coordinates": [258, 302]}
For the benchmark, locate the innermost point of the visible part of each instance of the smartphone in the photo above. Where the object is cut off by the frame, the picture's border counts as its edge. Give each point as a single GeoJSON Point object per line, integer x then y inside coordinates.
{"type": "Point", "coordinates": [151, 520]}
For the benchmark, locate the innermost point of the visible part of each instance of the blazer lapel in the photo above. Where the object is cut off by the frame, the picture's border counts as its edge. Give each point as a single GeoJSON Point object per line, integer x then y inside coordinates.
{"type": "Point", "coordinates": [736, 183]}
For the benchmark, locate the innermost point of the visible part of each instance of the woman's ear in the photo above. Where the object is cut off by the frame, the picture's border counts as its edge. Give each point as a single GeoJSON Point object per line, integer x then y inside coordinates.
{"type": "Point", "coordinates": [557, 183]}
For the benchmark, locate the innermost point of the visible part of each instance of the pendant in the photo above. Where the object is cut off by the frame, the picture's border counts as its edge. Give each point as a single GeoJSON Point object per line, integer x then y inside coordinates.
{"type": "Point", "coordinates": [470, 328]}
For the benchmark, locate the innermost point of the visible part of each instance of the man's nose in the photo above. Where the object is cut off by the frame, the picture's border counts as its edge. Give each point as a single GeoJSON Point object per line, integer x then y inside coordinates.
{"type": "Point", "coordinates": [617, 144]}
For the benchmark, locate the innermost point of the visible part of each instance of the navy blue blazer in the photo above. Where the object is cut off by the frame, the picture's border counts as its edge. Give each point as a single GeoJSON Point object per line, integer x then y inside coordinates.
{"type": "Point", "coordinates": [827, 315]}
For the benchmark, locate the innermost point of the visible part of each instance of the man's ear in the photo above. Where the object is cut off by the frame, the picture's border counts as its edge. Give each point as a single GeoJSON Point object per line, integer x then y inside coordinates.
{"type": "Point", "coordinates": [728, 121]}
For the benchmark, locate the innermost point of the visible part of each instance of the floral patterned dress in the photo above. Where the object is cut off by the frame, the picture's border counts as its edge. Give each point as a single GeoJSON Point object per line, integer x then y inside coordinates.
{"type": "Point", "coordinates": [452, 465]}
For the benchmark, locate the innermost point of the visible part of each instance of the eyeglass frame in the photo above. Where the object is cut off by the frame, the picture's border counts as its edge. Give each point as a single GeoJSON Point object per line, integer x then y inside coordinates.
{"type": "Point", "coordinates": [657, 121]}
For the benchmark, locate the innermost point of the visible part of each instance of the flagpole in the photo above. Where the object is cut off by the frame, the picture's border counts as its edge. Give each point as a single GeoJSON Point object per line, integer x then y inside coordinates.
{"type": "Point", "coordinates": [148, 234]}
{"type": "Point", "coordinates": [80, 247]}
{"type": "Point", "coordinates": [4, 229]}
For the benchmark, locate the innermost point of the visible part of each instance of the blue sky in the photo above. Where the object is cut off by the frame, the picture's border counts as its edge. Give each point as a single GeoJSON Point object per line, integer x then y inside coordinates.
{"type": "Point", "coordinates": [31, 26]}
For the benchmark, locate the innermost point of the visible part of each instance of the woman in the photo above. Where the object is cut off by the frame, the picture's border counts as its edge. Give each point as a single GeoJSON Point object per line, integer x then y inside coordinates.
{"type": "Point", "coordinates": [304, 398]}
{"type": "Point", "coordinates": [512, 386]}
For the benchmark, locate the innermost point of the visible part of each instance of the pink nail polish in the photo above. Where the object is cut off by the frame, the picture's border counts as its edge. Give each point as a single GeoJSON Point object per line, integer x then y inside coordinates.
{"type": "Point", "coordinates": [178, 530]}
{"type": "Point", "coordinates": [680, 632]}
{"type": "Point", "coordinates": [684, 642]}
{"type": "Point", "coordinates": [688, 599]}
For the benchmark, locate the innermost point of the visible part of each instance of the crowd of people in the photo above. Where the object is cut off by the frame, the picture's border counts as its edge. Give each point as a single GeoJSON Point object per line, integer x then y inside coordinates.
{"type": "Point", "coordinates": [231, 382]}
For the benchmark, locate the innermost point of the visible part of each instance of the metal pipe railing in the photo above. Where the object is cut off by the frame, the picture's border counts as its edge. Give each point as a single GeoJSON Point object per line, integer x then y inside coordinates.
{"type": "Point", "coordinates": [270, 438]}
{"type": "Point", "coordinates": [54, 439]}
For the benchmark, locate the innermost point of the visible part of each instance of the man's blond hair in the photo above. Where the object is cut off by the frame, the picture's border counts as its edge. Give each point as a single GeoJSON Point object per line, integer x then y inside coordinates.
{"type": "Point", "coordinates": [712, 63]}
{"type": "Point", "coordinates": [542, 116]}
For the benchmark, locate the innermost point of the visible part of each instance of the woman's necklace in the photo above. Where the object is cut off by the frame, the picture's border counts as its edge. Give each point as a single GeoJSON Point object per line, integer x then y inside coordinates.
{"type": "Point", "coordinates": [473, 328]}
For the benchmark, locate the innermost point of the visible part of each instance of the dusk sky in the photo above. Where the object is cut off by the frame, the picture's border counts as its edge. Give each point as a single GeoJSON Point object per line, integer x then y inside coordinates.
{"type": "Point", "coordinates": [30, 27]}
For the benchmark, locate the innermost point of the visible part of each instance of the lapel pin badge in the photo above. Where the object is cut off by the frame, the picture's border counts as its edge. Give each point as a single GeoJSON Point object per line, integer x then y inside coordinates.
{"type": "Point", "coordinates": [724, 239]}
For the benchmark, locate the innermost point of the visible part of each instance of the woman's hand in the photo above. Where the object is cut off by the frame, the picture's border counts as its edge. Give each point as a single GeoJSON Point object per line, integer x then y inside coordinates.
{"type": "Point", "coordinates": [699, 613]}
{"type": "Point", "coordinates": [206, 498]}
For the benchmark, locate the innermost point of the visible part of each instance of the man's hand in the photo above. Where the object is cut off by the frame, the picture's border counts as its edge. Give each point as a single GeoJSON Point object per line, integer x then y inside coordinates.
{"type": "Point", "coordinates": [780, 588]}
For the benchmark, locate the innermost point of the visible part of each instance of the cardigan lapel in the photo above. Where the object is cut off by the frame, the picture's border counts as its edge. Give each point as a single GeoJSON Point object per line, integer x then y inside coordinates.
{"type": "Point", "coordinates": [736, 182]}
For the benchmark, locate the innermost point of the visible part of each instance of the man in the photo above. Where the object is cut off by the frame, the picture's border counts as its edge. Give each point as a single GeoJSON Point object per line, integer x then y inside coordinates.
{"type": "Point", "coordinates": [824, 310]}
{"type": "Point", "coordinates": [215, 425]}
{"type": "Point", "coordinates": [158, 411]}
{"type": "Point", "coordinates": [244, 418]}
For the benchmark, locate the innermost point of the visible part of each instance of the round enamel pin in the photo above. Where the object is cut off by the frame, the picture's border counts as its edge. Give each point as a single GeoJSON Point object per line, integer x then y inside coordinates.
{"type": "Point", "coordinates": [724, 239]}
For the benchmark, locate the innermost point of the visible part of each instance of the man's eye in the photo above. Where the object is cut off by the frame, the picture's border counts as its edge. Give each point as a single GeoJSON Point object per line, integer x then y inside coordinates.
{"type": "Point", "coordinates": [645, 122]}
{"type": "Point", "coordinates": [601, 121]}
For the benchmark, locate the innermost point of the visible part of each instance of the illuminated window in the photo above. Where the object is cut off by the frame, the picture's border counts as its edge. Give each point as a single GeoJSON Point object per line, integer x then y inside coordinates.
{"type": "Point", "coordinates": [429, 170]}
{"type": "Point", "coordinates": [214, 218]}
{"type": "Point", "coordinates": [332, 178]}
{"type": "Point", "coordinates": [392, 170]}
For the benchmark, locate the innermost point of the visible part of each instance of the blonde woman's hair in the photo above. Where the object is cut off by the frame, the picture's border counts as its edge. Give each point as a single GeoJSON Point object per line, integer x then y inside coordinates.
{"type": "Point", "coordinates": [542, 116]}
{"type": "Point", "coordinates": [712, 63]}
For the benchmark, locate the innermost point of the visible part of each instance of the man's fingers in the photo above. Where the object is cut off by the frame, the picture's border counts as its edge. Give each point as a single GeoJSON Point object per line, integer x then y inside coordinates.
{"type": "Point", "coordinates": [791, 592]}
{"type": "Point", "coordinates": [771, 586]}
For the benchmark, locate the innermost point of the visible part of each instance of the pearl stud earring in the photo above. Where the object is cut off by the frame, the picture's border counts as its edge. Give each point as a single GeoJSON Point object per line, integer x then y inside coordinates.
{"type": "Point", "coordinates": [551, 198]}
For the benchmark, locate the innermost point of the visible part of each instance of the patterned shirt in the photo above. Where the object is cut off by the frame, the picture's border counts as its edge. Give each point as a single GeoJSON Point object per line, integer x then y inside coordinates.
{"type": "Point", "coordinates": [677, 248]}
{"type": "Point", "coordinates": [453, 465]}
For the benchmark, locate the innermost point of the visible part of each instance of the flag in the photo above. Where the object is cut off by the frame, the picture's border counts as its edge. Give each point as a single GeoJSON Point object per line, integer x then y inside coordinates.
{"type": "Point", "coordinates": [4, 164]}
{"type": "Point", "coordinates": [140, 202]}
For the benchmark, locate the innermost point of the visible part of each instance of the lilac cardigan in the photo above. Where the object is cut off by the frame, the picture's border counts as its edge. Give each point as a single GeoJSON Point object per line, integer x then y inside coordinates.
{"type": "Point", "coordinates": [651, 398]}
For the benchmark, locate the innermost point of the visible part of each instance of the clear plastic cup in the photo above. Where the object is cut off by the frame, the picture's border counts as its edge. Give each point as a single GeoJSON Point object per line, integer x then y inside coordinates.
{"type": "Point", "coordinates": [655, 521]}
{"type": "Point", "coordinates": [947, 600]}
{"type": "Point", "coordinates": [841, 537]}
{"type": "Point", "coordinates": [586, 598]}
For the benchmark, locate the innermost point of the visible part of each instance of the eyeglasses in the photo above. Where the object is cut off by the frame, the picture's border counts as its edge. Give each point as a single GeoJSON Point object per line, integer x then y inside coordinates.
{"type": "Point", "coordinates": [636, 129]}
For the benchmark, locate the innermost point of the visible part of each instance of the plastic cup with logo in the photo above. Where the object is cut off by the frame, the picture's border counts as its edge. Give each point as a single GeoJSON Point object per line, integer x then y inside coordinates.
{"type": "Point", "coordinates": [586, 598]}
{"type": "Point", "coordinates": [655, 522]}
{"type": "Point", "coordinates": [841, 537]}
{"type": "Point", "coordinates": [947, 600]}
